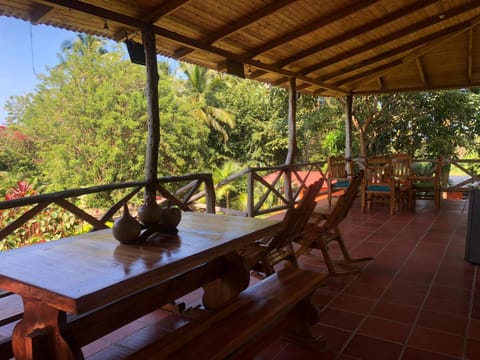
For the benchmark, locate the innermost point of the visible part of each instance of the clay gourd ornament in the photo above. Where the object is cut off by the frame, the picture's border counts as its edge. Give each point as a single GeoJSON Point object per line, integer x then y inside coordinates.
{"type": "Point", "coordinates": [149, 213]}
{"type": "Point", "coordinates": [126, 229]}
{"type": "Point", "coordinates": [170, 218]}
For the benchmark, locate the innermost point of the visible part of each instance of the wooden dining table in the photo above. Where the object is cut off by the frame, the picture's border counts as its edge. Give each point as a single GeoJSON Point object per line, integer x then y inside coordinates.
{"type": "Point", "coordinates": [80, 274]}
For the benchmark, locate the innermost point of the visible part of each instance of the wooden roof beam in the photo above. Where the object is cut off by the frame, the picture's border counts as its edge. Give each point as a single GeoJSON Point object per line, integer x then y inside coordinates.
{"type": "Point", "coordinates": [139, 24]}
{"type": "Point", "coordinates": [428, 39]}
{"type": "Point", "coordinates": [153, 16]}
{"type": "Point", "coordinates": [39, 12]}
{"type": "Point", "coordinates": [357, 32]}
{"type": "Point", "coordinates": [238, 25]}
{"type": "Point", "coordinates": [315, 25]}
{"type": "Point", "coordinates": [389, 38]}
{"type": "Point", "coordinates": [469, 54]}
{"type": "Point", "coordinates": [449, 33]}
{"type": "Point", "coordinates": [421, 71]}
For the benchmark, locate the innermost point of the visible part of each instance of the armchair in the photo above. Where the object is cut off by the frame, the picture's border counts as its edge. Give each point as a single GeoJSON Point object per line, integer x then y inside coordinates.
{"type": "Point", "coordinates": [337, 179]}
{"type": "Point", "coordinates": [378, 182]}
{"type": "Point", "coordinates": [426, 185]}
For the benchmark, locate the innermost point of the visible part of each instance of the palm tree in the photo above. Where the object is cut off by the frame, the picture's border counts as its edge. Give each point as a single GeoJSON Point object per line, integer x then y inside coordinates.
{"type": "Point", "coordinates": [198, 85]}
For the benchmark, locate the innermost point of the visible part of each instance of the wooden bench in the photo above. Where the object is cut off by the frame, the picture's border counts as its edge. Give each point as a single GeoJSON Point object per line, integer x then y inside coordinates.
{"type": "Point", "coordinates": [281, 300]}
{"type": "Point", "coordinates": [11, 310]}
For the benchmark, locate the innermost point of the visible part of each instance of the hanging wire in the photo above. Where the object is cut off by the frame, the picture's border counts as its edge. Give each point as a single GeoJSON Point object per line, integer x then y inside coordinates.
{"type": "Point", "coordinates": [32, 52]}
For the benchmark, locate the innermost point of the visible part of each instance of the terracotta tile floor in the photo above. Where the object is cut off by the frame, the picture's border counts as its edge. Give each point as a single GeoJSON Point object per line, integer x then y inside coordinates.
{"type": "Point", "coordinates": [418, 299]}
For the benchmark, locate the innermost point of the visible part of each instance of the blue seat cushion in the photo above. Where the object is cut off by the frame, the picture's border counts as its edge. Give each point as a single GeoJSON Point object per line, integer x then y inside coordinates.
{"type": "Point", "coordinates": [382, 188]}
{"type": "Point", "coordinates": [341, 184]}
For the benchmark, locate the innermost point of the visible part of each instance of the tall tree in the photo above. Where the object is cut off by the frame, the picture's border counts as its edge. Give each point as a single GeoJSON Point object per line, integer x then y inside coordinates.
{"type": "Point", "coordinates": [200, 84]}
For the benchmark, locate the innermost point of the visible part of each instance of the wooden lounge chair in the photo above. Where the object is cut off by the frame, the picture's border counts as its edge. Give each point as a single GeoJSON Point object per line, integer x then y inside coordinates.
{"type": "Point", "coordinates": [337, 179]}
{"type": "Point", "coordinates": [264, 254]}
{"type": "Point", "coordinates": [323, 229]}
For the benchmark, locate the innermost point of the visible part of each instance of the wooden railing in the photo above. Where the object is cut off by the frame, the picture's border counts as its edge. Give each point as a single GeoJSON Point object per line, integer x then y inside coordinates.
{"type": "Point", "coordinates": [274, 188]}
{"type": "Point", "coordinates": [268, 190]}
{"type": "Point", "coordinates": [469, 170]}
{"type": "Point", "coordinates": [68, 199]}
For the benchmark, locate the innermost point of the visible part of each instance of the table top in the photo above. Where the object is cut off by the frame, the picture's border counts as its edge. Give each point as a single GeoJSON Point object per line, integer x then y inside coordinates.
{"type": "Point", "coordinates": [79, 273]}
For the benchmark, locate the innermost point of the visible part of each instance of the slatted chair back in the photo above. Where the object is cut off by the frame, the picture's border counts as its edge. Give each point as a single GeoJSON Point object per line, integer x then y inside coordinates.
{"type": "Point", "coordinates": [428, 184]}
{"type": "Point", "coordinates": [337, 178]}
{"type": "Point", "coordinates": [378, 181]}
{"type": "Point", "coordinates": [402, 175]}
{"type": "Point", "coordinates": [345, 202]}
{"type": "Point", "coordinates": [401, 166]}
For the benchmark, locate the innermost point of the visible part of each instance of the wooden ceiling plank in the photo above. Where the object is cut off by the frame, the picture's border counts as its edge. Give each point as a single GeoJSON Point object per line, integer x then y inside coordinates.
{"type": "Point", "coordinates": [153, 16]}
{"type": "Point", "coordinates": [412, 89]}
{"type": "Point", "coordinates": [238, 25]}
{"type": "Point", "coordinates": [428, 39]}
{"type": "Point", "coordinates": [39, 13]}
{"type": "Point", "coordinates": [315, 25]}
{"type": "Point", "coordinates": [389, 38]}
{"type": "Point", "coordinates": [448, 33]}
{"type": "Point", "coordinates": [370, 26]}
{"type": "Point", "coordinates": [163, 10]}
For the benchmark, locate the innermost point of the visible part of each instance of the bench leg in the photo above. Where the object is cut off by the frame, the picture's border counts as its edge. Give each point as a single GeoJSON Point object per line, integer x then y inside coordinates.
{"type": "Point", "coordinates": [39, 333]}
{"type": "Point", "coordinates": [232, 282]}
{"type": "Point", "coordinates": [299, 325]}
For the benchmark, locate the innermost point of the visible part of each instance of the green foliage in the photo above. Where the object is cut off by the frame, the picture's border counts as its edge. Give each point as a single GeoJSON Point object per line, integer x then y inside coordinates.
{"type": "Point", "coordinates": [421, 124]}
{"type": "Point", "coordinates": [51, 224]}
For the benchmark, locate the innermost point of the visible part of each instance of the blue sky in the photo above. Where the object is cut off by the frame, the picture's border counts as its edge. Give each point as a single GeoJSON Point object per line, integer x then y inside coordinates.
{"type": "Point", "coordinates": [26, 50]}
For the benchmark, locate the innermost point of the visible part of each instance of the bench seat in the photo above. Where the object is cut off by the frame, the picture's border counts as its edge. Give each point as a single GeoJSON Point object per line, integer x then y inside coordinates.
{"type": "Point", "coordinates": [280, 300]}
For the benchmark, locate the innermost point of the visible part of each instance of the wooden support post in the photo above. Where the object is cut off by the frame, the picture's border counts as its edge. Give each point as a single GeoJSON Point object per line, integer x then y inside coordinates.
{"type": "Point", "coordinates": [348, 133]}
{"type": "Point", "coordinates": [151, 158]}
{"type": "Point", "coordinates": [292, 137]}
{"type": "Point", "coordinates": [292, 118]}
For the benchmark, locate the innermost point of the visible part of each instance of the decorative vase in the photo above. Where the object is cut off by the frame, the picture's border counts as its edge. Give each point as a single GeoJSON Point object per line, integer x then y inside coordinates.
{"type": "Point", "coordinates": [170, 218]}
{"type": "Point", "coordinates": [149, 213]}
{"type": "Point", "coordinates": [126, 229]}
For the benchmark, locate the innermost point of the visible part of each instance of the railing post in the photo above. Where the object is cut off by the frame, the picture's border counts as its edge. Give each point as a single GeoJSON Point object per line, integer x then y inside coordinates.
{"type": "Point", "coordinates": [210, 194]}
{"type": "Point", "coordinates": [250, 193]}
{"type": "Point", "coordinates": [288, 185]}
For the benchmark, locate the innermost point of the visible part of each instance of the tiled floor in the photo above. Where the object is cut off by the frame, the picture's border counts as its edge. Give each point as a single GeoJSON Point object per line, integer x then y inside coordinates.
{"type": "Point", "coordinates": [418, 300]}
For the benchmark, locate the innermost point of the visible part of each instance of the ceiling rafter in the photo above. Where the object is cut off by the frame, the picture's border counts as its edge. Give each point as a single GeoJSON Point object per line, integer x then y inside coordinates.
{"type": "Point", "coordinates": [441, 36]}
{"type": "Point", "coordinates": [412, 89]}
{"type": "Point", "coordinates": [153, 16]}
{"type": "Point", "coordinates": [189, 42]}
{"type": "Point", "coordinates": [421, 70]}
{"type": "Point", "coordinates": [469, 54]}
{"type": "Point", "coordinates": [238, 25]}
{"type": "Point", "coordinates": [388, 38]}
{"type": "Point", "coordinates": [39, 12]}
{"type": "Point", "coordinates": [314, 25]}
{"type": "Point", "coordinates": [356, 32]}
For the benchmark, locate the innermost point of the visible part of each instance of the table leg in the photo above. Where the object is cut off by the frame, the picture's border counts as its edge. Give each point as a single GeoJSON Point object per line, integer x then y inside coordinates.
{"type": "Point", "coordinates": [38, 335]}
{"type": "Point", "coordinates": [234, 280]}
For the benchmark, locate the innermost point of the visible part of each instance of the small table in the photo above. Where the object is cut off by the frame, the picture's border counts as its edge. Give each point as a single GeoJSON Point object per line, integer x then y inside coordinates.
{"type": "Point", "coordinates": [82, 273]}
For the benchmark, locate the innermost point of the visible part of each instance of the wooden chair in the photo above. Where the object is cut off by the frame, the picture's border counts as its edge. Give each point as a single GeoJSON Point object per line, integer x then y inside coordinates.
{"type": "Point", "coordinates": [402, 173]}
{"type": "Point", "coordinates": [337, 179]}
{"type": "Point", "coordinates": [378, 182]}
{"type": "Point", "coordinates": [323, 229]}
{"type": "Point", "coordinates": [426, 185]}
{"type": "Point", "coordinates": [264, 254]}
